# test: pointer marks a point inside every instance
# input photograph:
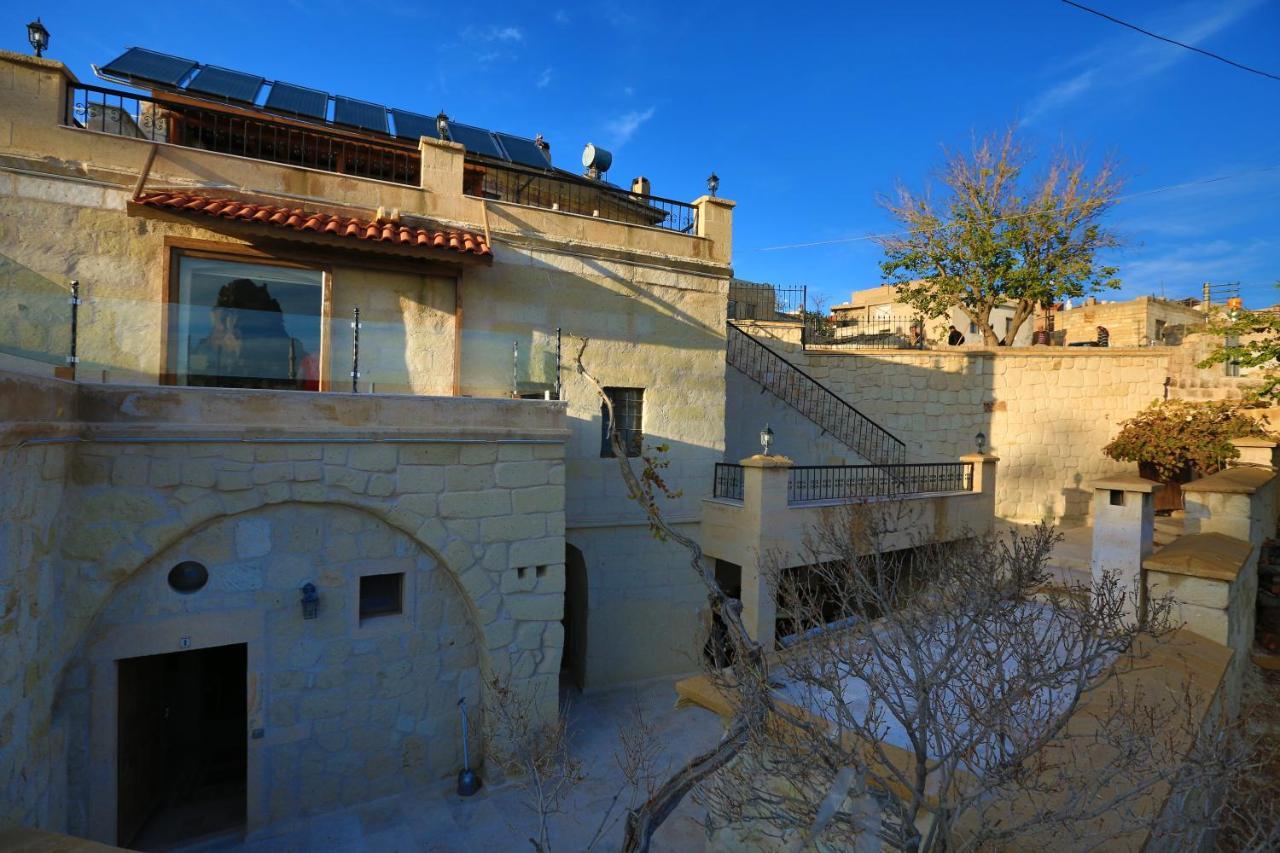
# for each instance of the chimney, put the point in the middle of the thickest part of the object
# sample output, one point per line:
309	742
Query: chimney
640	186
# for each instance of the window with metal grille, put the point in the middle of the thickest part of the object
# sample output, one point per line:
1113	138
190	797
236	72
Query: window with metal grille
628	407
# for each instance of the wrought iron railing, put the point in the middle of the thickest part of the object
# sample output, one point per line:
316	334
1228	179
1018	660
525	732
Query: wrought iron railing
570	194
813	399
728	481
231	132
751	301
808	483
899	331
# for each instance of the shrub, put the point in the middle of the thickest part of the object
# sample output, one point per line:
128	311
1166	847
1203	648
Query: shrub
1174	435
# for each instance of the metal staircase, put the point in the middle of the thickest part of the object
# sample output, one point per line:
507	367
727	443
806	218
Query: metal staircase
813	400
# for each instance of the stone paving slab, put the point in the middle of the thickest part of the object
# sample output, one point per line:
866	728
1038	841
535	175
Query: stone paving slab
436	820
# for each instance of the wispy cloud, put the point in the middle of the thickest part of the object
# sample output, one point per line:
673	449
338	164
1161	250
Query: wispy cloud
544	79
623	127
561	17
508	35
1126	59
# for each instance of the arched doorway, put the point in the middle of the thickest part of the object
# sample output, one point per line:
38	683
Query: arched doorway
573	663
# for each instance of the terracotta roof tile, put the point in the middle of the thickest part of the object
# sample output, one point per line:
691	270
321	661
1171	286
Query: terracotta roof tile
463	242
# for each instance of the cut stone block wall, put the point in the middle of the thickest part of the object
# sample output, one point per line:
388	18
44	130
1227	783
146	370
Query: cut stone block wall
85	565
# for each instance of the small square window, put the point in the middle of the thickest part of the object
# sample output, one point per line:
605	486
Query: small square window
628	406
1117	497
381	595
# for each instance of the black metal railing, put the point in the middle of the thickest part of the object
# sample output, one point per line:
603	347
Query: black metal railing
813	399
230	132
899	331
728	481
807	483
751	301
567	193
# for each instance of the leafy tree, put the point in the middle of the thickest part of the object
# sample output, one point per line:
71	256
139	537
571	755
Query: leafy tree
1250	339
1174	435
999	236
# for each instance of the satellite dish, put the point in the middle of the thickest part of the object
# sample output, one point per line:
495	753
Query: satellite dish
596	158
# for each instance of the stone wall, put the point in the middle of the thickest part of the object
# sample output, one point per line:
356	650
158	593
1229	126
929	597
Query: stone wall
271	490
1135	322
1046	412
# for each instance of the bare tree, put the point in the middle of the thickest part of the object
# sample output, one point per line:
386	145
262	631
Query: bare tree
933	698
535	753
997	236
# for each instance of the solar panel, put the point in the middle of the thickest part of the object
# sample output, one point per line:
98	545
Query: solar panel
523	150
414	125
361	114
476	140
299	100
225	83
138	63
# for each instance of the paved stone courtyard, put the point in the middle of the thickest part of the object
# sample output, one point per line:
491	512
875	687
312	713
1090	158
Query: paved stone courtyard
435	819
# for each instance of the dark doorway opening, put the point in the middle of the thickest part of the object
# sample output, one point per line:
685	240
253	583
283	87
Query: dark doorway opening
181	757
573	662
717	649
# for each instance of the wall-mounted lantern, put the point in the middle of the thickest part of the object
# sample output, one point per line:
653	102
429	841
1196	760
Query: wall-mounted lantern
766	440
38	36
713	184
442	125
981	440
310	601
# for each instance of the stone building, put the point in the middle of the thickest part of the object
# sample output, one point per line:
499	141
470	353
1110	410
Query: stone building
1144	321
291	452
876	312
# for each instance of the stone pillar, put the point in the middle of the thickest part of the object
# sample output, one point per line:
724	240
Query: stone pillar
715	222
1123	532
1255	452
441	165
984	483
764	499
1238	502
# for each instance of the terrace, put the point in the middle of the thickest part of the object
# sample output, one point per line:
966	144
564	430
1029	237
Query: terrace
247	131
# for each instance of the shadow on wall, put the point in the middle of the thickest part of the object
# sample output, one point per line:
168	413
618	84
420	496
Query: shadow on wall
35	314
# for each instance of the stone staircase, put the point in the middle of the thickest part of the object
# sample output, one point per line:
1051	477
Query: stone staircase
813	400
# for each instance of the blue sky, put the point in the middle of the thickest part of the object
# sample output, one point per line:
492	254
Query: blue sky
805	112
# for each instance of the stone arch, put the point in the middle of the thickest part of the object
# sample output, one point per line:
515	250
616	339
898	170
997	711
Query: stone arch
336	699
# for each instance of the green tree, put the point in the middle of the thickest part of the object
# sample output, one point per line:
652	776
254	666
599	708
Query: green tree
1250	339
999	236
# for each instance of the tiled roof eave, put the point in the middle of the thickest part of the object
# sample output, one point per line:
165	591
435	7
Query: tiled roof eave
370	233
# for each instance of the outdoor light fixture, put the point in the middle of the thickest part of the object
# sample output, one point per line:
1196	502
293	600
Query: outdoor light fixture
981	440
38	36
310	601
713	184
766	439
442	125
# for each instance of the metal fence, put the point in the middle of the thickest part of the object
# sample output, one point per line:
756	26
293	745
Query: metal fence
728	481
899	331
584	196
807	483
229	132
751	301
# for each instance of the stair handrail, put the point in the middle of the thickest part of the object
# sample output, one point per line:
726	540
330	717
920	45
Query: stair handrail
896	448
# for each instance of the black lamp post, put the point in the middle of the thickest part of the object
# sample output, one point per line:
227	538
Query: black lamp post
310	601
766	439
713	184
981	440
442	125
38	36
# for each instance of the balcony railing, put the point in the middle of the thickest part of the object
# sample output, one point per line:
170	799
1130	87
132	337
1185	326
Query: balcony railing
812	483
808	483
752	301
66	329
583	196
728	482
244	134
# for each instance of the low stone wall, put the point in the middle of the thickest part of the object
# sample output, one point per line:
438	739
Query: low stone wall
270	490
